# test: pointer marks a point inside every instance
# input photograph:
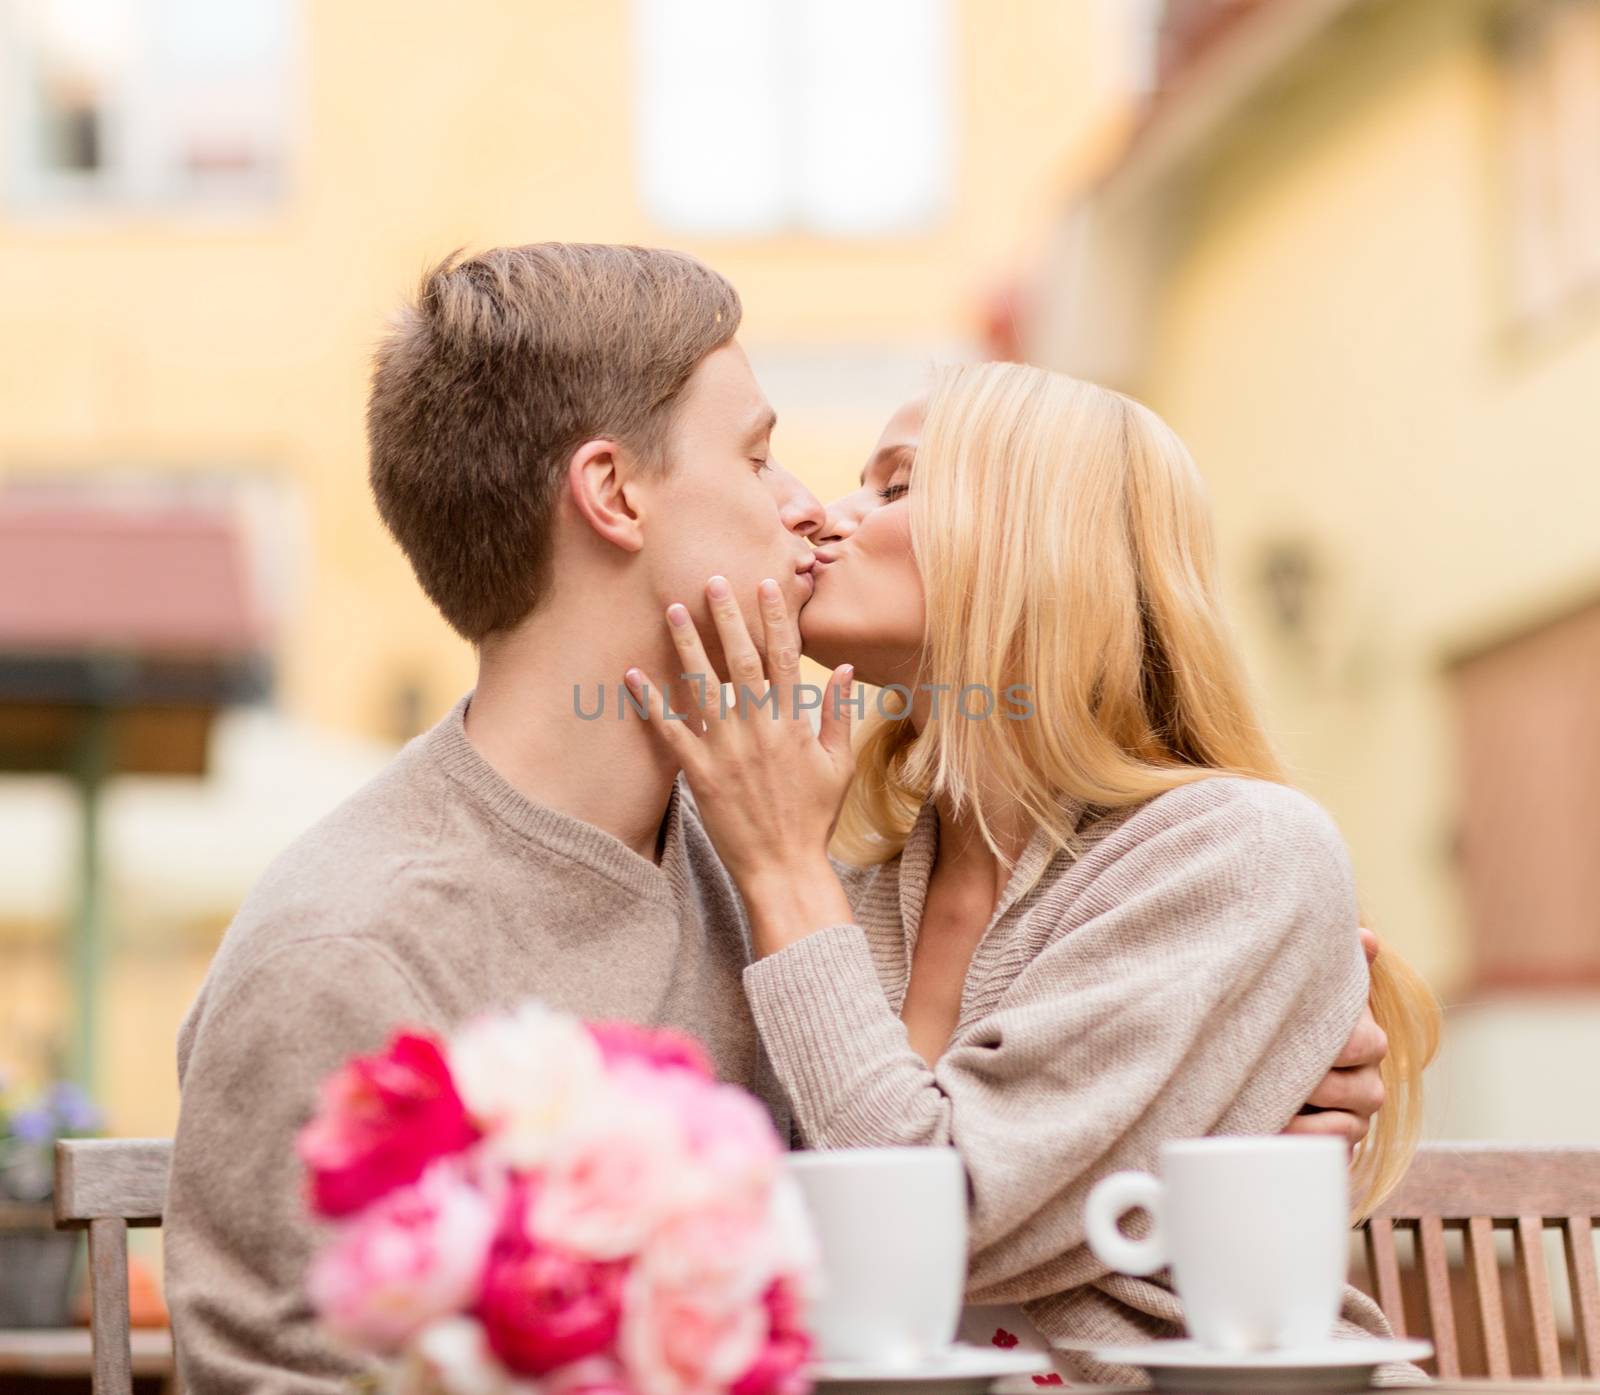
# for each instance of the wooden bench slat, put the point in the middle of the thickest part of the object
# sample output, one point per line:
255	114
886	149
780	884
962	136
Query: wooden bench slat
1436	1288
1485	1267
1536	1280
1384	1266
1578	1235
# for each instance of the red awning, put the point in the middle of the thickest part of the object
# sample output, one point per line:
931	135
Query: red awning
169	582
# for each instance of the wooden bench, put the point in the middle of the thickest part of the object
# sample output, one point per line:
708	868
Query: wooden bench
1477	1189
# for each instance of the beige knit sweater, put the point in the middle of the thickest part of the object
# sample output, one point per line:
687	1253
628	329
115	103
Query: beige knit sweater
434	893
1192	967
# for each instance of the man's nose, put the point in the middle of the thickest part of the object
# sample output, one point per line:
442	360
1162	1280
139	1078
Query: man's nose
798	507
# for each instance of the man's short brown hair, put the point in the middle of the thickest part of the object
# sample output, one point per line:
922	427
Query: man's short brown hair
504	365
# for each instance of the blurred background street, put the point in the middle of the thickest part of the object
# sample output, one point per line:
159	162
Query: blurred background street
1350	249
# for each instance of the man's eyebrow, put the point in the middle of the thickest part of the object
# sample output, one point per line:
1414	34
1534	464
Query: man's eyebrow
764	425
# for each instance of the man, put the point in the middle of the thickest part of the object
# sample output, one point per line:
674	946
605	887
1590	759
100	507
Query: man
563	439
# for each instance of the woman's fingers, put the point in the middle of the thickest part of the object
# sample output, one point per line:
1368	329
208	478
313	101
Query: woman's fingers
684	697
1367	1046
1359	1091
738	649
693	663
835	730
783	648
1330	1123
774	680
1369	945
673	730
783	673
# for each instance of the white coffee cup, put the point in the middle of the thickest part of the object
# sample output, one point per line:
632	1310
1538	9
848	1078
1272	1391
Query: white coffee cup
1256	1231
891	1225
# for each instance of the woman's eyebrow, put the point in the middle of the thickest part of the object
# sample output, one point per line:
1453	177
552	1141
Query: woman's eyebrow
894	456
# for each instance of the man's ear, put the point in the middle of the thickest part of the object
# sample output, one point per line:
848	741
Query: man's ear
600	479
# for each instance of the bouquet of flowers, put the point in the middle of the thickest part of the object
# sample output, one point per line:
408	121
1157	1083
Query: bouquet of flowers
543	1206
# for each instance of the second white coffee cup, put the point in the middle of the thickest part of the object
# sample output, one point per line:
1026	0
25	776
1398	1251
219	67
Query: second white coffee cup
1256	1231
891	1224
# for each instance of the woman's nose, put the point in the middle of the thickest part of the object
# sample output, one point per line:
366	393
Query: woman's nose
838	522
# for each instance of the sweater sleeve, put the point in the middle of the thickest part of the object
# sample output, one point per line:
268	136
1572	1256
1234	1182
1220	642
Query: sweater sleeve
1203	981
238	1234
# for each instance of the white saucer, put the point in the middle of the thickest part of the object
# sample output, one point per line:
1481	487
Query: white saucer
1322	1366
960	1369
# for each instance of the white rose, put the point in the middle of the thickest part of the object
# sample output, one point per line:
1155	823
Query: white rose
525	1077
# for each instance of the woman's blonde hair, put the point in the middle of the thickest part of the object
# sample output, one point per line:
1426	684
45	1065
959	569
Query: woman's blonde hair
1065	543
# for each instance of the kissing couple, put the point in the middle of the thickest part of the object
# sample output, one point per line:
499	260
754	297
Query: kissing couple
1053	942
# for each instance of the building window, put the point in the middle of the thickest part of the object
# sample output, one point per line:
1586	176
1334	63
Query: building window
156	103
1552	57
1529	712
757	117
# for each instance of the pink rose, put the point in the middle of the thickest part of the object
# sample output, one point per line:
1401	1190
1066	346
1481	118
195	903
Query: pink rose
725	1245
780	1369
541	1306
380	1121
687	1339
694	1318
596	1375
731	1132
411	1257
658	1047
728	1132
717	1300
612	1179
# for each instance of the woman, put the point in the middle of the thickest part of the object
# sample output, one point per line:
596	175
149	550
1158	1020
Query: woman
1076	910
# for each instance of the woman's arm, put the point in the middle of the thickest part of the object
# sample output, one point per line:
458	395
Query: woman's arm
1201	981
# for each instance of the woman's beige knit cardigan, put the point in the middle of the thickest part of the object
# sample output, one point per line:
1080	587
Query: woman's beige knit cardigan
1189	967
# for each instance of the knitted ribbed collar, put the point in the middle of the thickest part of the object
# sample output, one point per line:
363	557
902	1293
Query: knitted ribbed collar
448	747
922	850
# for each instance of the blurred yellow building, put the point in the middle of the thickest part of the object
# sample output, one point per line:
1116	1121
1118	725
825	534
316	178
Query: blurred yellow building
1350	248
1352	253
209	211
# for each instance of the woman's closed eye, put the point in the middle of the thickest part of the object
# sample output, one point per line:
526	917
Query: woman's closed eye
892	491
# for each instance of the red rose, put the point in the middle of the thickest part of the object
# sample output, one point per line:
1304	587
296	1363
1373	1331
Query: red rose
380	1121
780	1369
542	1307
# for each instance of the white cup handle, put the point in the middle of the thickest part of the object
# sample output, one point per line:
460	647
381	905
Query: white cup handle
1110	1200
